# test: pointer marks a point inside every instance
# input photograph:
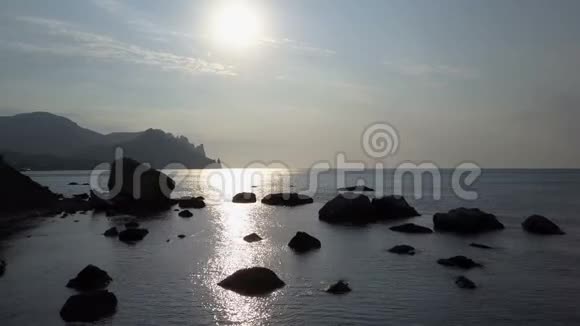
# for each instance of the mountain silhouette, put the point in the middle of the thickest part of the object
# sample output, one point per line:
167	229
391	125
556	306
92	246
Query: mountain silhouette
45	141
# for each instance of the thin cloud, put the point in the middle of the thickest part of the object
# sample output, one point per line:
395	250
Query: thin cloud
302	47
85	44
423	70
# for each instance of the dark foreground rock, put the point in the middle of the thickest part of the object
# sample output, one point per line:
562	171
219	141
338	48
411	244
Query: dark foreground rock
403	250
89	307
2	267
112	232
132	235
136	185
252	281
303	242
244	197
83	196
252	238
541	225
465	283
185	213
411	228
466	221
90	278
287	199
480	246
393	207
347	208
459	261
340	287
356	188
191	202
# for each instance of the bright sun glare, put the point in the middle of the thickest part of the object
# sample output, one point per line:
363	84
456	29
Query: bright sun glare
237	25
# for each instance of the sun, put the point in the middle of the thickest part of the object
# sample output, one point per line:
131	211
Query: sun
237	25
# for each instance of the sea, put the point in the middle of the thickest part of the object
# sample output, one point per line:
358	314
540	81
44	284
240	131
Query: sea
163	280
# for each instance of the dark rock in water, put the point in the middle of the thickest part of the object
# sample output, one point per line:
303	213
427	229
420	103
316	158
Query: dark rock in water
348	208
139	186
191	202
479	245
252	238
244	197
132	225
340	287
466	221
90	278
76	221
403	250
132	235
459	261
287	199
112	232
541	225
98	202
83	196
20	193
252	281
86	184
356	188
465	283
185	213
89	307
411	228
393	207
73	184
176	210
181	236
303	242
2	267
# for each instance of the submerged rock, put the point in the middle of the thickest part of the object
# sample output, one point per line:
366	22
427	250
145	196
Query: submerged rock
411	228
393	207
466	220
252	281
465	283
191	202
132	235
303	242
287	199
244	197
89	307
347	208
403	250
356	188
252	238
112	232
90	278
541	225
459	261
340	287
479	245
185	213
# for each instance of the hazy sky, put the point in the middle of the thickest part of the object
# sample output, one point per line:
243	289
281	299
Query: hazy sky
494	82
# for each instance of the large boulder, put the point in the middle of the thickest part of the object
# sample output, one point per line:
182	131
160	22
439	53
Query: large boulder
191	202
132	235
90	278
459	261
244	197
466	221
392	207
287	199
541	225
411	228
132	183
347	208
89	307
252	281
303	242
403	250
20	193
340	287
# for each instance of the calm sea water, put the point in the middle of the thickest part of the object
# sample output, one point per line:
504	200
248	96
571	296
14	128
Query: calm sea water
528	280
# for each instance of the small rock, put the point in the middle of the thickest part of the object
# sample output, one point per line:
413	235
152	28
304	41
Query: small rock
90	278
411	228
76	221
89	307
393	207
465	283
541	225
252	281
466	221
191	202
244	197
403	250
181	236
339	287
252	238
73	184
459	261
356	188
112	232
287	199
2	267
479	245
132	235
185	213
303	242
